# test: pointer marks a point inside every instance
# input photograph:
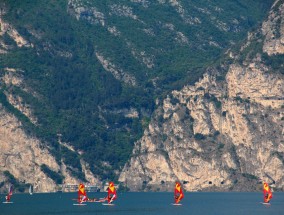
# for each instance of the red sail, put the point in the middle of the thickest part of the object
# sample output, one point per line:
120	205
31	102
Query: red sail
178	193
267	193
111	194
10	193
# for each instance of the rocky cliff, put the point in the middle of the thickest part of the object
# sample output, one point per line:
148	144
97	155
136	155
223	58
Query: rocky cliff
25	159
219	134
22	158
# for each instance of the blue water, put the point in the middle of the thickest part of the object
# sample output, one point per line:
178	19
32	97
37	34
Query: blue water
145	203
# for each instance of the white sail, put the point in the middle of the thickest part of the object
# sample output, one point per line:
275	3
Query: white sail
30	190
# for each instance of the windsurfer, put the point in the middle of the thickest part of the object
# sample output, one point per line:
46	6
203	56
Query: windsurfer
82	196
111	195
178	194
267	193
10	193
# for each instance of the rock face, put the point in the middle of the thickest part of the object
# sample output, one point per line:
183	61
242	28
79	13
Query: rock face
22	156
218	135
273	30
117	73
206	135
6	28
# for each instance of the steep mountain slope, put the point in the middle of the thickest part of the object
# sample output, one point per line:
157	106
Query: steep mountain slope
81	77
220	134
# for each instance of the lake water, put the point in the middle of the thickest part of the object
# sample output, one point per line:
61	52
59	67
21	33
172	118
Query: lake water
197	203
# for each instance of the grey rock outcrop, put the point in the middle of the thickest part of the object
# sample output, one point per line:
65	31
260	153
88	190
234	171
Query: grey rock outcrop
217	135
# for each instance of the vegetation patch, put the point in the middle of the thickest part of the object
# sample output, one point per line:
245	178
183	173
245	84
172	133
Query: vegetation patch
17	185
55	176
199	136
249	176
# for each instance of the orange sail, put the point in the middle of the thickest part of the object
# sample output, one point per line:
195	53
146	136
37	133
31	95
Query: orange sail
111	194
267	193
82	196
178	193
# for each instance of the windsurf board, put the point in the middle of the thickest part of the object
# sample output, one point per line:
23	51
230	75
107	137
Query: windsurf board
109	204
176	204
